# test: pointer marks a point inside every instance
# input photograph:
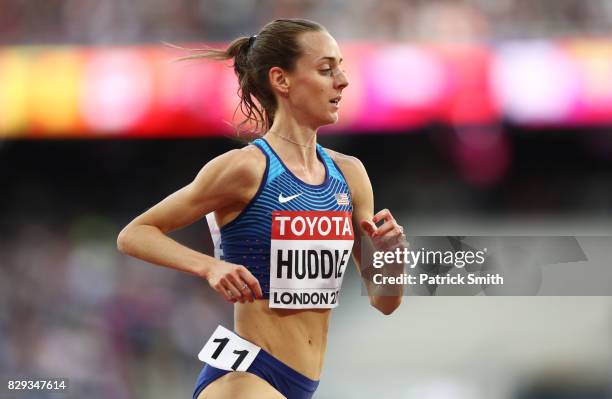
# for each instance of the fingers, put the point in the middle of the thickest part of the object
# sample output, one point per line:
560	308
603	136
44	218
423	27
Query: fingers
389	227
246	283
225	293
251	282
385	215
390	242
232	291
236	284
369	227
227	286
390	234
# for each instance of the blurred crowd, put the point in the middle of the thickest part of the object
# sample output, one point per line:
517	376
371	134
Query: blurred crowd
138	21
73	307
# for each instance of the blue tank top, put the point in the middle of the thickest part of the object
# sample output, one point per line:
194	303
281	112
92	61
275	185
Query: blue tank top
294	237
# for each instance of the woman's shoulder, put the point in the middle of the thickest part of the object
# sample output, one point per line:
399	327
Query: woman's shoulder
348	164
241	166
245	159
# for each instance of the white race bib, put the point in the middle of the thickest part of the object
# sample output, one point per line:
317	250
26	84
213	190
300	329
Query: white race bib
309	251
227	351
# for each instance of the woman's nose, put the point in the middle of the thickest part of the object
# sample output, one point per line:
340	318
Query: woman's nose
341	80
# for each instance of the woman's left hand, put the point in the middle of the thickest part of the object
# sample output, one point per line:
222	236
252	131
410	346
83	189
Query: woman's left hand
387	236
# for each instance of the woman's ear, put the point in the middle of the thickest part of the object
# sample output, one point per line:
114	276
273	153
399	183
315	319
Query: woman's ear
279	80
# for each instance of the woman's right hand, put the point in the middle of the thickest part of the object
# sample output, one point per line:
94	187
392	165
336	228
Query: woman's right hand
234	283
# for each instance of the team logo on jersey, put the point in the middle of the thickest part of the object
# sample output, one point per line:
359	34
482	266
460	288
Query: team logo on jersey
342	199
309	251
282	199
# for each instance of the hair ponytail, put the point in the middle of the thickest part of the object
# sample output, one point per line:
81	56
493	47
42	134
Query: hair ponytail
276	45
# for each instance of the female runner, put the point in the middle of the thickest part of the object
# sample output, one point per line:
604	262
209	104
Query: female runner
286	208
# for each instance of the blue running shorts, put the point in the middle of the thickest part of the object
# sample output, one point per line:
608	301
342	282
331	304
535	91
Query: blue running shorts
290	383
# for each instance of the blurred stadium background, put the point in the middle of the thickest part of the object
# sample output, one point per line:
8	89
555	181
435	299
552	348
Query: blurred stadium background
472	117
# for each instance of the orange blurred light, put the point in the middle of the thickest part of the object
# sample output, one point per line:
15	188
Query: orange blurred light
14	71
56	75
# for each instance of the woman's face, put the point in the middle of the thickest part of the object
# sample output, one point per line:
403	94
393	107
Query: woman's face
317	82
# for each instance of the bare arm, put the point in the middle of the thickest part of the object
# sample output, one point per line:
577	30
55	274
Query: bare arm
365	221
229	180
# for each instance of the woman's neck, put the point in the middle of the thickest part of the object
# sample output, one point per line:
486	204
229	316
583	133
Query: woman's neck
295	142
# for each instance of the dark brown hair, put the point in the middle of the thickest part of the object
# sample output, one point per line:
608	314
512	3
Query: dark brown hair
276	45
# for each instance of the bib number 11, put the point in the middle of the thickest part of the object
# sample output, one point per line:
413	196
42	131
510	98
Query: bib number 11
227	351
241	354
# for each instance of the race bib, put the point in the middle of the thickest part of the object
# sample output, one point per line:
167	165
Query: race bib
227	351
309	251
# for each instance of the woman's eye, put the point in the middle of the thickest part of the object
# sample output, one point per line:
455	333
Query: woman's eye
327	71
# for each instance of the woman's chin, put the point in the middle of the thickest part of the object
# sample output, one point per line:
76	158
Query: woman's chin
332	119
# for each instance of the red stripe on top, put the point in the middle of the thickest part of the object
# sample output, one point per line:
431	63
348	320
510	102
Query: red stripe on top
312	225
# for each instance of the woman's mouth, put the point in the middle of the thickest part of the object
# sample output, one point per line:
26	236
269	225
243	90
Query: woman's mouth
335	102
